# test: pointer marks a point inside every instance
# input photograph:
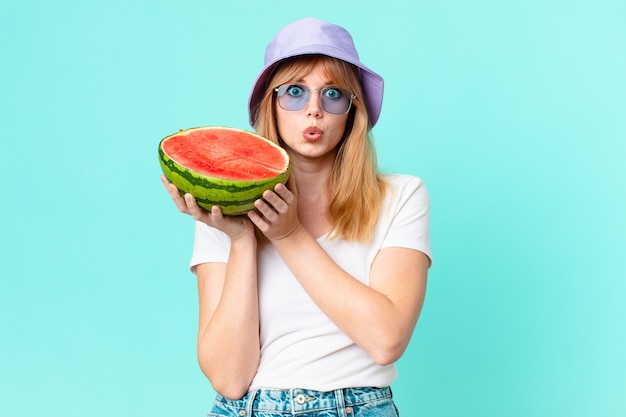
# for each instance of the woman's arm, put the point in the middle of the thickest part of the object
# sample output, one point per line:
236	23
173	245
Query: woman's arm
379	317
228	332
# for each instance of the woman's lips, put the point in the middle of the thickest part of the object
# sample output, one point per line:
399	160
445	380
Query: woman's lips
312	134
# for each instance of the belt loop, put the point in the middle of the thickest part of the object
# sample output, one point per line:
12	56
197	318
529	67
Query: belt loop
341	404
250	402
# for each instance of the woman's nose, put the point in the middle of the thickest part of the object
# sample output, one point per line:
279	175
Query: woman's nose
314	104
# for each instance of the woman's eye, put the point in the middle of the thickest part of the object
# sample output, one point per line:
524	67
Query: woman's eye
333	93
295	91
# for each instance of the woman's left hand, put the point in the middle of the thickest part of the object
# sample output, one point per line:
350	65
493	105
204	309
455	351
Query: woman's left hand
277	212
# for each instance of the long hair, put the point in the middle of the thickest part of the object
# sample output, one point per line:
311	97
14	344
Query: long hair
356	188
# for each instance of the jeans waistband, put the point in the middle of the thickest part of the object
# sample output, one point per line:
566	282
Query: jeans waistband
302	400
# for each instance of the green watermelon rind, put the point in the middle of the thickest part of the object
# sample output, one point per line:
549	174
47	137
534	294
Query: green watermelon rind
233	197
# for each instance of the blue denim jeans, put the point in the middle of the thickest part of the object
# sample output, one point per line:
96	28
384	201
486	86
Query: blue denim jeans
347	402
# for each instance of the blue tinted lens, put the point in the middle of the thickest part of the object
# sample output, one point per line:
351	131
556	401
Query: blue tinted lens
292	96
335	101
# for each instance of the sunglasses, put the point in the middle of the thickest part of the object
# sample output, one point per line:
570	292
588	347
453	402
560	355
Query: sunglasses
294	97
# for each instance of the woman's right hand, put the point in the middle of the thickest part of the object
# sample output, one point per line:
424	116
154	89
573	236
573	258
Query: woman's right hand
234	226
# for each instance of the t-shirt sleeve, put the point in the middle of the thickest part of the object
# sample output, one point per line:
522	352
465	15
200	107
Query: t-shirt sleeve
409	213
210	245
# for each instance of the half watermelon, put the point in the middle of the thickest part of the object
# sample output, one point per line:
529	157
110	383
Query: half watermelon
223	166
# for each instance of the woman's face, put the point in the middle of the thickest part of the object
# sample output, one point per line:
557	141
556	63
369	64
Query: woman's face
311	132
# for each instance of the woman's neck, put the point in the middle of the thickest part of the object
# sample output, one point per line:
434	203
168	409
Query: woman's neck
312	176
311	179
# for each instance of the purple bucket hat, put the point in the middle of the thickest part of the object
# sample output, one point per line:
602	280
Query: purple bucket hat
313	36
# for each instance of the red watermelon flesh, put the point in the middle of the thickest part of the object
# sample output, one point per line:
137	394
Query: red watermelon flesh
225	153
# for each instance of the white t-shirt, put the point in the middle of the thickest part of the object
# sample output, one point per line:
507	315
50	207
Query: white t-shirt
300	346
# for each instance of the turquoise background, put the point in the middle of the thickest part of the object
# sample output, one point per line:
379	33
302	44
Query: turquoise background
513	112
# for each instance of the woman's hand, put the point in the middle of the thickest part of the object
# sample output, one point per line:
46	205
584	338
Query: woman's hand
277	212
233	226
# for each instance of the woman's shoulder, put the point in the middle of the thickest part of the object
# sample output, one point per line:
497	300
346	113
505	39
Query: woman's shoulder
401	188
399	181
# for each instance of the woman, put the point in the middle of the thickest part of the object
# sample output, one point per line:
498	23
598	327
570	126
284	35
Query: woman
307	301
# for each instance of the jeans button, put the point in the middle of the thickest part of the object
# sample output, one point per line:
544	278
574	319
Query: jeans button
300	399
